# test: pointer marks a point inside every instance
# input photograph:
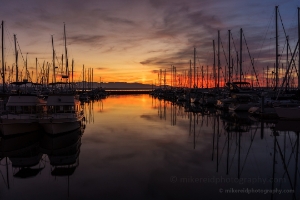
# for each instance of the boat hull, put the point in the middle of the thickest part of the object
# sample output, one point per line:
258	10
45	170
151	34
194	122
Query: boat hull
11	127
58	126
288	113
243	107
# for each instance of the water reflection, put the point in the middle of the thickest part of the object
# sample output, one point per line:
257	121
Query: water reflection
245	150
22	153
138	147
27	155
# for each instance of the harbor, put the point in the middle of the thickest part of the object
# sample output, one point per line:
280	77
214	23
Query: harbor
180	100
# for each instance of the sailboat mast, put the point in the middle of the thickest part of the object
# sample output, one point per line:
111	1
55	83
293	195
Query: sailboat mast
171	77
218	60
16	53
72	70
229	57
276	36
66	52
89	78
3	69
53	60
194	67
164	78
83	78
190	74
36	73
26	75
214	66
287	62
267	77
207	76
175	76
202	76
62	66
298	48
241	53
48	72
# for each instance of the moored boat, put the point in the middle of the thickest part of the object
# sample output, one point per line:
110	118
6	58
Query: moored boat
63	114
21	115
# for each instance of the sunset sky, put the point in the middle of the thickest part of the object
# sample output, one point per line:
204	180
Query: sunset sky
131	40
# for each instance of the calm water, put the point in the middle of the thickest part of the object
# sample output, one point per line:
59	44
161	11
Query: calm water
136	147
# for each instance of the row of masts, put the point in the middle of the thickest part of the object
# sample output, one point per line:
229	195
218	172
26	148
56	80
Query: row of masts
43	72
190	78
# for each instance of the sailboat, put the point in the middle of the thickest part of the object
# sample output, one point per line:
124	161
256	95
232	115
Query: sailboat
291	113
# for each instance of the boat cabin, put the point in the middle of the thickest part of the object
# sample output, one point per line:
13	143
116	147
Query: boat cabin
24	105
240	87
62	104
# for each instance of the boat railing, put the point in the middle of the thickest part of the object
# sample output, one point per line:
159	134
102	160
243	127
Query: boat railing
61	115
19	116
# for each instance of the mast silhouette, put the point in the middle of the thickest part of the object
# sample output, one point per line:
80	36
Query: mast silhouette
298	48
241	53
53	60
16	54
3	68
214	65
229	57
194	67
219	61
276	36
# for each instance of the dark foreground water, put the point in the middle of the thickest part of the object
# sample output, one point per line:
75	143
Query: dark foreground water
136	147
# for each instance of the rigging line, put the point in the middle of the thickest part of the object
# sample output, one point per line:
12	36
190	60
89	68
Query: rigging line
3	178
252	139
225	60
291	143
285	167
233	43
267	145
224	52
286	37
10	49
223	148
271	19
58	60
295	64
236	51
233	155
285	43
252	60
20	51
257	165
289	160
287	71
